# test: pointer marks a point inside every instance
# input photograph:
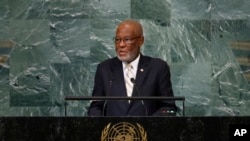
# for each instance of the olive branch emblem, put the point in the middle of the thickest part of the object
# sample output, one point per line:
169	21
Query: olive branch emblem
105	132
143	132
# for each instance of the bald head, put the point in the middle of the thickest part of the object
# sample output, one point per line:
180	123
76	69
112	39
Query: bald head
137	27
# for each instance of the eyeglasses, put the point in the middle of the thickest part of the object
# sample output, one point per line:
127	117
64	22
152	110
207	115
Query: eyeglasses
126	40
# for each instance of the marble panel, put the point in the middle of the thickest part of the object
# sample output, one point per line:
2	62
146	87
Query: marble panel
230	9
193	81
156	40
4	16
190	41
69	9
228	81
29	9
102	33
30	87
109	9
191	9
4	8
71	38
29	79
4	90
33	32
70	79
158	11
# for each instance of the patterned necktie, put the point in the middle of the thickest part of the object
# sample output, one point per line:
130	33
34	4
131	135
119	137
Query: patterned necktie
129	75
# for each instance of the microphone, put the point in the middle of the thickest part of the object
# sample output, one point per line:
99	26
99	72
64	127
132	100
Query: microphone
138	92
108	93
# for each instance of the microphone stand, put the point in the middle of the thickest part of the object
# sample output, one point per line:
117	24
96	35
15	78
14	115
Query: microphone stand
138	92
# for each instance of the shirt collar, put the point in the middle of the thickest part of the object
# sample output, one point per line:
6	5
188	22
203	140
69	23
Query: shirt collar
133	63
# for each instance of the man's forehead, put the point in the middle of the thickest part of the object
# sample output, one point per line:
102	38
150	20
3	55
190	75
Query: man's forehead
130	23
126	29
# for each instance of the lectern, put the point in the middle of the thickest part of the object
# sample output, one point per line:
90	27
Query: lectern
107	98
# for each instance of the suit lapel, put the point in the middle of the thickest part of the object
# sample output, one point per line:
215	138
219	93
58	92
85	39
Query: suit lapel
141	72
117	71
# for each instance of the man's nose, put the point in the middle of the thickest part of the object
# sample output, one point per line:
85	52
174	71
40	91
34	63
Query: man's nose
122	43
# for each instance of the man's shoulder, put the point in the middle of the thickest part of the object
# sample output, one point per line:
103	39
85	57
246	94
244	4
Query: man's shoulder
154	60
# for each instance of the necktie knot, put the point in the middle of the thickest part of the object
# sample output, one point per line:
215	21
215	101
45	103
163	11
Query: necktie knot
129	66
129	71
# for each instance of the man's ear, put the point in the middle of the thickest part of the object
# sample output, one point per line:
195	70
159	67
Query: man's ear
141	41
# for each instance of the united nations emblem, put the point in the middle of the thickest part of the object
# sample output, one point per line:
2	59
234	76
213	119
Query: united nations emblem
124	131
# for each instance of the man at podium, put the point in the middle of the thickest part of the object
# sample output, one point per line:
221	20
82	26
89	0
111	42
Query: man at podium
132	74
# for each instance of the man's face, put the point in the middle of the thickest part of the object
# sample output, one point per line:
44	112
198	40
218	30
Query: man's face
128	42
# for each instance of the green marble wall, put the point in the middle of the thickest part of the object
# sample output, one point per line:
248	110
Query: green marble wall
50	49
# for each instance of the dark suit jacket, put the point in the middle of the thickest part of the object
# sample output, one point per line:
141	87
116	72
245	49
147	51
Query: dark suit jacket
152	79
